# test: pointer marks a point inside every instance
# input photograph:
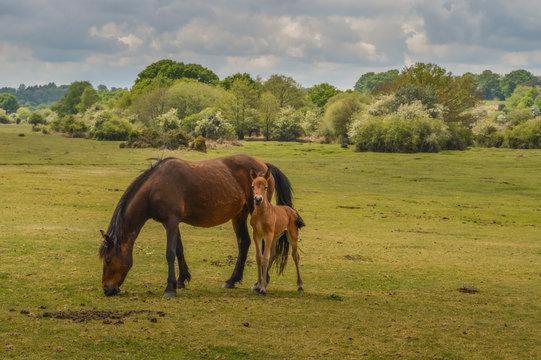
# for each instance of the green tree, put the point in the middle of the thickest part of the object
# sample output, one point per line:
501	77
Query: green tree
228	81
268	110
517	77
372	82
286	90
8	102
522	97
455	93
176	70
488	84
340	110
190	97
319	94
88	98
239	106
69	102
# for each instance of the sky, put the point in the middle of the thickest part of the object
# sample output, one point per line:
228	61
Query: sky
109	42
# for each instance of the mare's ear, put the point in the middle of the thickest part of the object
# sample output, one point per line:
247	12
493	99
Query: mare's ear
253	174
267	174
104	235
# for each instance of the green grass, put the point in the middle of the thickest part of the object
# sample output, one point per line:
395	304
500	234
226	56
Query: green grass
389	240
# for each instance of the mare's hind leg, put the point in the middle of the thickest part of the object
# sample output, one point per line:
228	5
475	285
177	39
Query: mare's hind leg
183	270
173	238
240	226
293	239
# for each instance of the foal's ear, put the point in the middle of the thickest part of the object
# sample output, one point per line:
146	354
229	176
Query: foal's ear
253	174
267	174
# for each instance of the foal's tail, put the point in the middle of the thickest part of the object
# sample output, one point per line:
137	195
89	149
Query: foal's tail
284	196
299	222
282	247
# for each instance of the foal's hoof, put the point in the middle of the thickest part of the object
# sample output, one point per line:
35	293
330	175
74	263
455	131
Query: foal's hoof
262	292
256	287
227	285
169	295
300	290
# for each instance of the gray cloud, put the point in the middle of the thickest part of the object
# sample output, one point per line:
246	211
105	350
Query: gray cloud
335	41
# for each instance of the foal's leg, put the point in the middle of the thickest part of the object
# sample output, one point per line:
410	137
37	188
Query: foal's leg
265	261
293	239
172	238
257	242
183	270
243	241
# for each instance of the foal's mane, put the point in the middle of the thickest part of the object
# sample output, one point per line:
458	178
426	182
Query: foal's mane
115	232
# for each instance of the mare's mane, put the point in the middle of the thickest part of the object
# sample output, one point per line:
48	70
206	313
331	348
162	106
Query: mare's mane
115	232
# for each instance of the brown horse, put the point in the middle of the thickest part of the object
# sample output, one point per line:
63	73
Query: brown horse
203	193
270	223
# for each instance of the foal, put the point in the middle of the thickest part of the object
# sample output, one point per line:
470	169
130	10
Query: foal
269	222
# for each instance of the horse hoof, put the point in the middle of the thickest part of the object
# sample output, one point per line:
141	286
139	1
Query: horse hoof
181	284
262	292
227	285
169	295
300	290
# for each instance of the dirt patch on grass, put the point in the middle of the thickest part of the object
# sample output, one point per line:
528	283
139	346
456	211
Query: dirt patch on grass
357	258
348	207
107	316
468	289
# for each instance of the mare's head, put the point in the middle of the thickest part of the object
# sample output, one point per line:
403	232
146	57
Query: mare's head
260	185
117	261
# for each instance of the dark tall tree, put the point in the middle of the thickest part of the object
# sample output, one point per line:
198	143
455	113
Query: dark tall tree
488	84
228	81
8	102
69	103
517	77
372	82
173	70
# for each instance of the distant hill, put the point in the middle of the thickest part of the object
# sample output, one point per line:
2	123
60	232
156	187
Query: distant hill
37	95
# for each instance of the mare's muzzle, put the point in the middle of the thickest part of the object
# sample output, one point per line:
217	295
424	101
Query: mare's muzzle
111	290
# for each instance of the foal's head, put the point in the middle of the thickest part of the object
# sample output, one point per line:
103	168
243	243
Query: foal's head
260	185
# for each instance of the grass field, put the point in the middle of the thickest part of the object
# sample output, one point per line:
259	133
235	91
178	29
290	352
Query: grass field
389	240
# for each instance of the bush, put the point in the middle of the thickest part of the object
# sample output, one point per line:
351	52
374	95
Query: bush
114	129
288	125
525	136
168	120
4	117
489	133
153	138
213	126
340	110
460	137
396	134
199	144
71	125
36	119
519	115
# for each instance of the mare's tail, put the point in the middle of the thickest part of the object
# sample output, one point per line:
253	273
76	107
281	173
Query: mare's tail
284	196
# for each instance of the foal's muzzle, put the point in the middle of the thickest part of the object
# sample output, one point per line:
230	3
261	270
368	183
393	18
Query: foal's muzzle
258	199
111	290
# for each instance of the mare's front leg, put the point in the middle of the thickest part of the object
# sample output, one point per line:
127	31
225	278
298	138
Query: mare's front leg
183	270
173	237
240	226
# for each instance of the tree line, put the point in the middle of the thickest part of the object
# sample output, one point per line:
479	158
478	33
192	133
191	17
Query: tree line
424	107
